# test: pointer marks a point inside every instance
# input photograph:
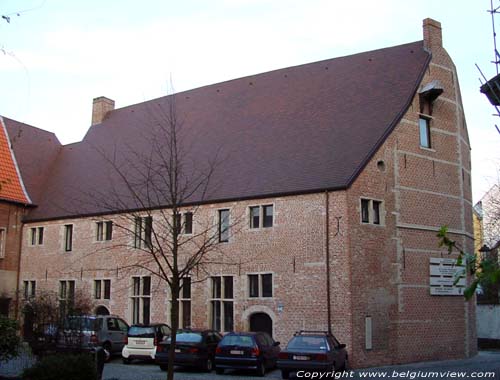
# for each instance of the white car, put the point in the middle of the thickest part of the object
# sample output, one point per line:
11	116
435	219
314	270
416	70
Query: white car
142	341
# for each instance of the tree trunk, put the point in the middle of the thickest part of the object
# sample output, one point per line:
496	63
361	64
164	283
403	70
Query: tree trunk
174	318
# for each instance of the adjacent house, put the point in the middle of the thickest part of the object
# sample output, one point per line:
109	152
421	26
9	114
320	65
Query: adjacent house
358	159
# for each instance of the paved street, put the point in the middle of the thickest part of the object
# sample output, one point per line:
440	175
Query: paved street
486	365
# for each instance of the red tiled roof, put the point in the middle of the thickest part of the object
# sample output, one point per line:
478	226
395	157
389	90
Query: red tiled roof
296	130
11	185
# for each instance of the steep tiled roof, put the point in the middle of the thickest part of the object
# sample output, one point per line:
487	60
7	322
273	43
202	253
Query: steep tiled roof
35	151
11	184
296	130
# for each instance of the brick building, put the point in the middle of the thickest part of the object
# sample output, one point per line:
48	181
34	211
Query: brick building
359	158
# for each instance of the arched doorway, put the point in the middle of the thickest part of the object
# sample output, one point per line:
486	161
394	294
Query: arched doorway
102	310
261	322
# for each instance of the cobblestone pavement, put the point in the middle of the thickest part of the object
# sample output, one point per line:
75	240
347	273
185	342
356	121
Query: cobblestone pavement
486	365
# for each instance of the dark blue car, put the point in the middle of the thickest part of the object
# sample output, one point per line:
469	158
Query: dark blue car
255	351
193	348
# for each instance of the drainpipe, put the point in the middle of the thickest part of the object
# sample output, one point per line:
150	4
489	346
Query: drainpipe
18	275
327	248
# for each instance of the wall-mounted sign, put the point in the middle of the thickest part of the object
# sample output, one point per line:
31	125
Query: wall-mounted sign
443	275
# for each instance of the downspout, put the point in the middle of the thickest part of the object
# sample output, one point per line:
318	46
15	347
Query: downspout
18	274
327	248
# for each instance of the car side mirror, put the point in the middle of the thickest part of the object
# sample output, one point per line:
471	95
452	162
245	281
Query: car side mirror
276	343
341	346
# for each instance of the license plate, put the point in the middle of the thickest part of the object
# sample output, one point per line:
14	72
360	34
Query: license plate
236	352
177	350
140	342
299	357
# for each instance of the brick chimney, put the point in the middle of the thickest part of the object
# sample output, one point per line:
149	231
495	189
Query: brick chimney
433	37
100	108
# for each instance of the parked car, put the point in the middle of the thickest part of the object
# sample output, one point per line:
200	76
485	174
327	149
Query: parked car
90	331
142	340
312	351
246	350
193	348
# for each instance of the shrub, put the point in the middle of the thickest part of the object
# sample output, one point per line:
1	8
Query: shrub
9	340
63	367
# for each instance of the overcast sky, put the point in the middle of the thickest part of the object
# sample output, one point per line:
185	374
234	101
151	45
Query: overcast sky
58	55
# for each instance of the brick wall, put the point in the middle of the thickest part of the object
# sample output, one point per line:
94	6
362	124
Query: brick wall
422	189
10	221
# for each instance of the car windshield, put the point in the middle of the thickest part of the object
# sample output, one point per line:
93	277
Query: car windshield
313	343
187	337
141	332
237	340
81	324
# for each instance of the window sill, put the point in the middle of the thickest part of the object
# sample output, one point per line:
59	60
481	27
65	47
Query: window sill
372	224
427	149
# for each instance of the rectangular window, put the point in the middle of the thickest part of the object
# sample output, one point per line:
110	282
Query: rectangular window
425	132
2	242
365	210
178	223
188	223
185	303
143	230
223	226
29	289
376	212
267	213
221	304
255	217
36	236
141	300
253	285
260	285
97	289
66	295
104	231
267	217
102	289
371	211
68	237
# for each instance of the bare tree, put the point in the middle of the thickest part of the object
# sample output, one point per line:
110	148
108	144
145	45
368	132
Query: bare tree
157	193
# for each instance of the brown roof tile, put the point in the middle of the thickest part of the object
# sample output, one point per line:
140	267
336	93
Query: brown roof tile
300	129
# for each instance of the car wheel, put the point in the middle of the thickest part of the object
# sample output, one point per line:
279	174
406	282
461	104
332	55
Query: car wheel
164	367
126	360
285	374
219	371
208	366
261	370
107	351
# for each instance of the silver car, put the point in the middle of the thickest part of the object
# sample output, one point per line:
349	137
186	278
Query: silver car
89	331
